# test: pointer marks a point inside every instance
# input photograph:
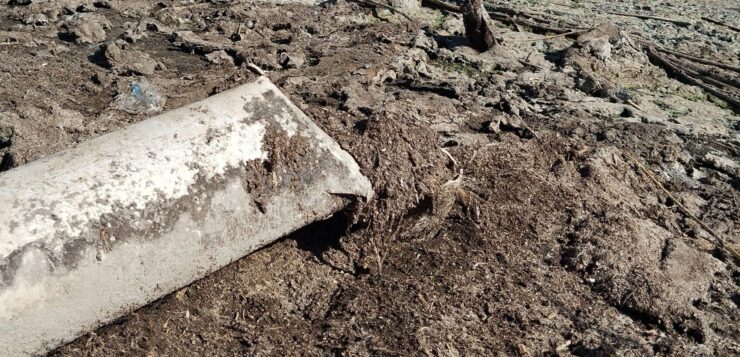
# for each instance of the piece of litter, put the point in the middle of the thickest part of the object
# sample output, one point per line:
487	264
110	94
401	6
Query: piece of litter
141	97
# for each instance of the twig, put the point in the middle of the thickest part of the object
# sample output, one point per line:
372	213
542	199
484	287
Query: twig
732	150
452	159
524	124
340	28
105	239
376	228
377	4
254	68
717	22
701	60
632	103
566	34
648	17
652	177
513	22
378	257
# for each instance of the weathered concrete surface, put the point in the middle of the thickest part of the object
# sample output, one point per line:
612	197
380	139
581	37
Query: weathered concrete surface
93	232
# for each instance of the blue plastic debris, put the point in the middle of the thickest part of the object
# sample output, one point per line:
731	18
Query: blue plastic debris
142	97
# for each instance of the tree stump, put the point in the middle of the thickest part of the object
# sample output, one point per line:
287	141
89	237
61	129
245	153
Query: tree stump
478	26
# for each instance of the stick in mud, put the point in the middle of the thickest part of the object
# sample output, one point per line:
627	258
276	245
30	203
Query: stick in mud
720	242
720	23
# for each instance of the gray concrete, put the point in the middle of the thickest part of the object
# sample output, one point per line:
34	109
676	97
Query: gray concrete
93	232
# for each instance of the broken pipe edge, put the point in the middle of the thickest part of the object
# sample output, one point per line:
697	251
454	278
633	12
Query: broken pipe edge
93	232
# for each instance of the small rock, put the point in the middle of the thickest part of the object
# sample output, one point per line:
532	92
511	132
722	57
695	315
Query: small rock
704	245
385	76
503	123
133	34
68	119
220	57
589	84
103	4
523	350
6	136
601	48
291	60
609	32
493	125
188	40
88	28
180	294
128	62
600	40
36	19
720	162
282	37
68	10
409	7
425	42
86	8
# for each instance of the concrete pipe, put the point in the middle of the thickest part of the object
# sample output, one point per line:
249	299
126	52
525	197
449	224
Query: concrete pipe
93	232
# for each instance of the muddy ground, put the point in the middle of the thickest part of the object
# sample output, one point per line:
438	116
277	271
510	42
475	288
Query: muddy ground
515	210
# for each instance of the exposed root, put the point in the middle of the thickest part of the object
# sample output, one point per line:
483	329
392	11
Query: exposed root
712	86
726	66
441	5
657	18
537	16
